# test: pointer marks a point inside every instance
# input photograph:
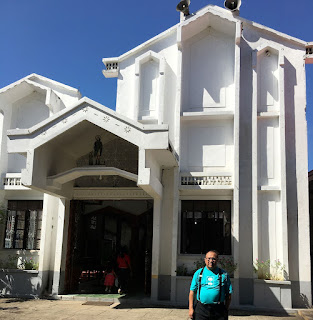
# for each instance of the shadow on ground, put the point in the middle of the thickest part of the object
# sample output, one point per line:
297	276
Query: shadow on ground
237	313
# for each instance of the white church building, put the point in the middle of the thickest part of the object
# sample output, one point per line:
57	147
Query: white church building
207	149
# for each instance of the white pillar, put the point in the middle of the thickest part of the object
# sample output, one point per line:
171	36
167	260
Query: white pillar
155	248
283	173
255	215
136	96
59	225
64	246
235	207
45	241
175	227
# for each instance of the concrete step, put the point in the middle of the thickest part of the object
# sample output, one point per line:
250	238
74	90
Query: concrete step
306	314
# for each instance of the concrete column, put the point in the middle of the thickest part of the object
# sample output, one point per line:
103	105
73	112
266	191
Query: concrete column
45	241
156	248
245	257
175	232
161	98
283	173
304	295
136	97
59	225
64	246
235	209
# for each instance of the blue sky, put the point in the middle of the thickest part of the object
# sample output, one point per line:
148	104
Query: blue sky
65	40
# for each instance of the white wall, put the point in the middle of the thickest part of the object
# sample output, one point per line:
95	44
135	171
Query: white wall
270	227
68	97
29	111
207	145
126	82
269	158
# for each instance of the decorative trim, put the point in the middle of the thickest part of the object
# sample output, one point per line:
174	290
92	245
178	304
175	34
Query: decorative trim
273	282
111	67
19	271
109	193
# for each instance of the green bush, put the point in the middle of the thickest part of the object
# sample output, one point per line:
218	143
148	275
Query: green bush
9	263
182	270
29	264
266	271
228	265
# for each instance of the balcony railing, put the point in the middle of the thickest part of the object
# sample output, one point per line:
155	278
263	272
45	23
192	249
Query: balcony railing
206	180
13	181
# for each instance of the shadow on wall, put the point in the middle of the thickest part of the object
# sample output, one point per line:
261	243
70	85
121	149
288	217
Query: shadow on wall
20	283
292	196
245	257
252	290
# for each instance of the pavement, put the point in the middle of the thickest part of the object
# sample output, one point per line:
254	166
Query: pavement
45	309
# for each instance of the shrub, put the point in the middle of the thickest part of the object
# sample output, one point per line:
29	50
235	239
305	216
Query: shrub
182	270
29	264
228	264
266	271
9	263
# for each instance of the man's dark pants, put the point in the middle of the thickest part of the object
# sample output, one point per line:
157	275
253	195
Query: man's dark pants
210	312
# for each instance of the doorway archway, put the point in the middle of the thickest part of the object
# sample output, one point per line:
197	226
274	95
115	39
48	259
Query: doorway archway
97	231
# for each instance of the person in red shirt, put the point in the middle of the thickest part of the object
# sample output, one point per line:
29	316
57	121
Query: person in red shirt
109	278
124	270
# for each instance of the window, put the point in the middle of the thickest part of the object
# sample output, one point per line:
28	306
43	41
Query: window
206	225
23	227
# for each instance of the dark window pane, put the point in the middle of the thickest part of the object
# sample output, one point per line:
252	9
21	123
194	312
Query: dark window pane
205	225
23	227
199	205
187	205
9	232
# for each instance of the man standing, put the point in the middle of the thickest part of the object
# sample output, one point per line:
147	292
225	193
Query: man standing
213	291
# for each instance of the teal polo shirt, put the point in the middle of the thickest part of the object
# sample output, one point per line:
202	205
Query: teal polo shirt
210	287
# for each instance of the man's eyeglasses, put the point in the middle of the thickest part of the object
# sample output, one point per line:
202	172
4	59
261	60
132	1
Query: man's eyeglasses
212	259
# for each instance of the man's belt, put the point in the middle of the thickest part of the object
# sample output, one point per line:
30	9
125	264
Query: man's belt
212	304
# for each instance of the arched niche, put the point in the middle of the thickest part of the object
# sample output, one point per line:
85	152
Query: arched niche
149	97
269	58
208	71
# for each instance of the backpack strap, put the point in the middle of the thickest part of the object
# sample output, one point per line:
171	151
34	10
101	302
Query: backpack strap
199	284
220	284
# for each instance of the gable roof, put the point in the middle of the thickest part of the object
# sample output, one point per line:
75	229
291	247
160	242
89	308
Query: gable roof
145	136
214	10
37	82
33	77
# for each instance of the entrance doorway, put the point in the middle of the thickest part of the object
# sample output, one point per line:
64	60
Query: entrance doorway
98	231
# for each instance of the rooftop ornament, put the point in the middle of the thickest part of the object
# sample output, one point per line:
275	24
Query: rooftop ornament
183	7
232	5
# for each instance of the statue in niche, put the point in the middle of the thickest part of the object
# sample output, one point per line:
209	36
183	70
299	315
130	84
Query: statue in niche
97	149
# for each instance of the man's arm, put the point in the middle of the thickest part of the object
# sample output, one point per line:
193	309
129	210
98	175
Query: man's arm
191	293
228	301
229	291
